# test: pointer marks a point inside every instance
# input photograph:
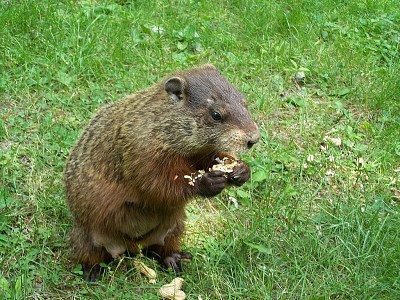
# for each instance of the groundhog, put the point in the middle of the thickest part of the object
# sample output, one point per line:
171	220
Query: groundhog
126	178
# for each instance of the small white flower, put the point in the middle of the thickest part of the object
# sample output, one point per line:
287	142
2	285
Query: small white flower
157	29
330	173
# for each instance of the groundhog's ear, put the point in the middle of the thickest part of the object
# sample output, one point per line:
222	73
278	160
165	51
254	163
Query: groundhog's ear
175	87
209	66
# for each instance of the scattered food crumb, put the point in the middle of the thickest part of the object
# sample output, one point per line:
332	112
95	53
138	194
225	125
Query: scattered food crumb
234	202
173	290
145	270
336	141
360	162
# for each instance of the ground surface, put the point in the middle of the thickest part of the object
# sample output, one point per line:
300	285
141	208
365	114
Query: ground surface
320	218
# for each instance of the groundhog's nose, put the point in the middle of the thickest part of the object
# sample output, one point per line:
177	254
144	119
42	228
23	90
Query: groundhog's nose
253	138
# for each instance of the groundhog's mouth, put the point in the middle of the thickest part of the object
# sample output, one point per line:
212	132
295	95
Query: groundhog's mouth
234	151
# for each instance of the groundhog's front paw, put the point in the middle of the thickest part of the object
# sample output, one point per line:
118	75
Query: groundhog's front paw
212	183
174	261
240	174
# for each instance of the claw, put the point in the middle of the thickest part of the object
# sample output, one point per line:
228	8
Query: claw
174	261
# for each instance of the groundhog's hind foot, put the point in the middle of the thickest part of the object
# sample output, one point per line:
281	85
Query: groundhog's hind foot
91	273
174	261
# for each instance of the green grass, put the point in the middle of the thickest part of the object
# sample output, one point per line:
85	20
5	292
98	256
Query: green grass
319	220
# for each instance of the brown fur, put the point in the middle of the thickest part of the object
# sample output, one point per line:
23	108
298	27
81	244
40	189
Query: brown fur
124	179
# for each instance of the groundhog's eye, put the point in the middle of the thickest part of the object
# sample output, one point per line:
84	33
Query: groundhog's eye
216	116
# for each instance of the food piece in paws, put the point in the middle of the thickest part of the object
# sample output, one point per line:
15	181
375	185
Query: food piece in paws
225	165
194	176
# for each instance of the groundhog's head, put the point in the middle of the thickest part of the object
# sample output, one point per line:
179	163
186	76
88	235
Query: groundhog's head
222	121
